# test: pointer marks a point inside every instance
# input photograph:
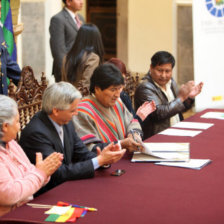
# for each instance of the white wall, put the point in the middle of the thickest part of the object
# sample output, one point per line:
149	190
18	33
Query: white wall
150	28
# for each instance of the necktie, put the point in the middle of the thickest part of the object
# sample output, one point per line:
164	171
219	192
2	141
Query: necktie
78	22
61	135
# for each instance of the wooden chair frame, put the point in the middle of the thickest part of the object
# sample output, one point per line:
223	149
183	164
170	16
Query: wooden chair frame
28	94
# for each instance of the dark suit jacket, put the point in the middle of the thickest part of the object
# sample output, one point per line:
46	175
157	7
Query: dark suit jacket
9	68
40	135
63	31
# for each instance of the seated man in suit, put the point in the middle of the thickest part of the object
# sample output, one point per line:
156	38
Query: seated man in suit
102	116
159	86
51	130
63	31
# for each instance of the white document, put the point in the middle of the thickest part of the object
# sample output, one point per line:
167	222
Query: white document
164	147
59	210
196	164
154	152
192	125
213	115
179	132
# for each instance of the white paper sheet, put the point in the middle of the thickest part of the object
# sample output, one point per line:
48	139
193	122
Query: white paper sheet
196	164
154	147
213	115
192	125
179	132
154	152
59	210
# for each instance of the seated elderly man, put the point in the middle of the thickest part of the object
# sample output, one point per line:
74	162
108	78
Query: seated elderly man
51	130
102	117
159	86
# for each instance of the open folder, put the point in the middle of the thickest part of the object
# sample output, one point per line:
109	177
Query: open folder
163	152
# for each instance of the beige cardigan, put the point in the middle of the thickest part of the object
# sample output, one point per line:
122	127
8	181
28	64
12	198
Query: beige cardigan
89	63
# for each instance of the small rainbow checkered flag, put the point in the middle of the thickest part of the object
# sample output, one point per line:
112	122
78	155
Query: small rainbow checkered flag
6	19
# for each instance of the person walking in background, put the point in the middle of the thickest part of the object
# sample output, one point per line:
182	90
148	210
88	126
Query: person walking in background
63	30
86	54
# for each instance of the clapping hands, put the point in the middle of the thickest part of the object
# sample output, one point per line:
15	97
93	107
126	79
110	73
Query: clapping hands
145	109
189	89
50	164
110	154
196	90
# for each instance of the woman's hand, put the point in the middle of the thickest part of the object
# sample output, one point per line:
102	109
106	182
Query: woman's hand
50	164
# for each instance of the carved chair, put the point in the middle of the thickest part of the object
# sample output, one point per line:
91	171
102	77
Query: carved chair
83	90
28	94
131	82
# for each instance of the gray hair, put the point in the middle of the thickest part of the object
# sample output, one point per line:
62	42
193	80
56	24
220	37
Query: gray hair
8	110
59	95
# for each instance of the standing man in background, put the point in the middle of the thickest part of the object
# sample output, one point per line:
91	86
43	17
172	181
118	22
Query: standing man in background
63	30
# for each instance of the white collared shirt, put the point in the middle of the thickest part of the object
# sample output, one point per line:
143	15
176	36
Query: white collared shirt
72	14
59	128
169	94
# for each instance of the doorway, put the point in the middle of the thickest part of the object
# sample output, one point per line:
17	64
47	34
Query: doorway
102	13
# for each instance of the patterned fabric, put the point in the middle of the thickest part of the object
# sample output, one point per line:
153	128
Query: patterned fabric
95	123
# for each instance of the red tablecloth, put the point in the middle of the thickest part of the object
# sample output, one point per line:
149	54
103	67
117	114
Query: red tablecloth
148	193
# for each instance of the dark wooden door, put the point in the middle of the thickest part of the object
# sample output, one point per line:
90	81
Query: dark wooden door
103	14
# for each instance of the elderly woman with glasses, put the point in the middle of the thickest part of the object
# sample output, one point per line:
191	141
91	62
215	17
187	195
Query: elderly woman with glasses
19	179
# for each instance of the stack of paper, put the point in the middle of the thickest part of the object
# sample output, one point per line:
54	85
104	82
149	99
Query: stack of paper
196	164
169	154
155	152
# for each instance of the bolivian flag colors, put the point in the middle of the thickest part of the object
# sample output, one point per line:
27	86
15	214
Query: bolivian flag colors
64	212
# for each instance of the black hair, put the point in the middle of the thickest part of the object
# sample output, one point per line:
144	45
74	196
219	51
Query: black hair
104	76
88	40
161	58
